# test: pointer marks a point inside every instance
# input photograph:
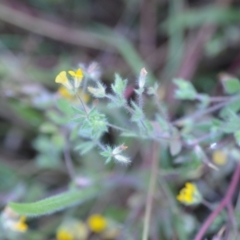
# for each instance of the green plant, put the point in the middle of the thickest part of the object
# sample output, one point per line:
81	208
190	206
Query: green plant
90	121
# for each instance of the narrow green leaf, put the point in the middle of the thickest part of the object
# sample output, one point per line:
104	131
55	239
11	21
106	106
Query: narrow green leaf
55	203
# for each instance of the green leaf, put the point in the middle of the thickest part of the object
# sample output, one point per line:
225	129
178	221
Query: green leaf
85	147
237	137
233	106
204	101
137	114
116	102
79	111
119	85
185	91
231	85
55	203
232	124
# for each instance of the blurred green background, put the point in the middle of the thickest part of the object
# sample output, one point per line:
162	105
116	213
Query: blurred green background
192	39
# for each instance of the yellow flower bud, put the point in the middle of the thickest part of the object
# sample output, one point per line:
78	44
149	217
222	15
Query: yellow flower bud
97	223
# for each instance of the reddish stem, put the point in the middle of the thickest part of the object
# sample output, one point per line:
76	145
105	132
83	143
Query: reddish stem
222	204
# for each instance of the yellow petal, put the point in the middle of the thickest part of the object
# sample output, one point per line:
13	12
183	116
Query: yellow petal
65	93
63	234
21	227
79	73
61	77
97	223
72	73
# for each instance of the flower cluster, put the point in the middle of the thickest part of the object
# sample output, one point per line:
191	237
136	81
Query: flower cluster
96	224
71	230
71	80
189	195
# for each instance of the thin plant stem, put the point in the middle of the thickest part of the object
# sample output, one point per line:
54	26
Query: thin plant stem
83	105
140	100
214	99
226	200
151	190
206	111
117	127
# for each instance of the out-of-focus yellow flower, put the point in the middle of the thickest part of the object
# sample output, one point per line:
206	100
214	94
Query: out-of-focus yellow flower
63	234
62	78
21	225
13	221
71	82
72	229
77	76
189	194
97	223
219	157
68	94
65	93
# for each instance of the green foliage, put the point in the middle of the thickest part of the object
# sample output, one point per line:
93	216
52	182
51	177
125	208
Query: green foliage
231	85
94	125
52	139
118	100
55	203
107	153
232	123
185	90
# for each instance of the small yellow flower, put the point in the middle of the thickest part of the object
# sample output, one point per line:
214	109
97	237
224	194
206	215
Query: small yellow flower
62	78
63	234
21	225
73	81
97	223
189	194
219	157
77	76
13	221
72	229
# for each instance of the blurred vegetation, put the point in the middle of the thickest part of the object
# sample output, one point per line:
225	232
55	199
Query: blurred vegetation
179	175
